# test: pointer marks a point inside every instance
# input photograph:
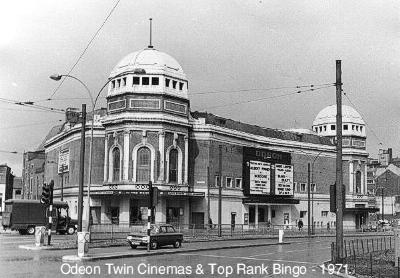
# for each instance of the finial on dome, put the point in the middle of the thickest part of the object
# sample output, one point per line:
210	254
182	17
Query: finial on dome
150	45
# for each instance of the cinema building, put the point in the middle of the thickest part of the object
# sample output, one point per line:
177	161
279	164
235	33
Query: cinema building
149	133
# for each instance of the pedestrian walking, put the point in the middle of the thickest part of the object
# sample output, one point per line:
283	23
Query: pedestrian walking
300	225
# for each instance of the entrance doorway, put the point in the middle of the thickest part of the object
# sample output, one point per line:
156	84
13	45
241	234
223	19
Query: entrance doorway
198	220
115	215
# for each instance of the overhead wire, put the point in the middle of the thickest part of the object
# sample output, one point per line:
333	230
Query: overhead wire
31	104
84	51
12	152
259	89
366	124
27	125
271	97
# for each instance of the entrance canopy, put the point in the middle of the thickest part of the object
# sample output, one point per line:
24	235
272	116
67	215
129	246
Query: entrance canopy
270	200
360	210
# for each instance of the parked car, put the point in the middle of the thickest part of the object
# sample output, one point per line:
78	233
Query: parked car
385	225
160	235
372	226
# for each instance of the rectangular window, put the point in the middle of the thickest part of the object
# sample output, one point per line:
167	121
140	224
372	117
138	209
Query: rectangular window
238	183
345	127
145	81
118	83
124	81
302	187
180	86
216	184
136	80
333	127
313	187
229	182
324	213
303	213
167	80
155	81
174	84
273	213
113	84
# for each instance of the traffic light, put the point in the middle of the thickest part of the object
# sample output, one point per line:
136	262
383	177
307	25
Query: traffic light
47	193
332	193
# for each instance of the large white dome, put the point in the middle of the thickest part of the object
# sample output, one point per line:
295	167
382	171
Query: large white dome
328	116
151	61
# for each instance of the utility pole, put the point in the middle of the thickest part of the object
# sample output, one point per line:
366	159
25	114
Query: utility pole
208	198
309	200
383	198
220	192
339	167
81	169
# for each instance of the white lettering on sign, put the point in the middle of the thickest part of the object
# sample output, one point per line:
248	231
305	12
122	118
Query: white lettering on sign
283	179
260	177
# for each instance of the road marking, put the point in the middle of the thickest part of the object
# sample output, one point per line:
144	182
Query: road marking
248	258
290	251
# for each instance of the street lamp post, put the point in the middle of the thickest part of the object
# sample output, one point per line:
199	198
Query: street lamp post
312	192
310	201
58	77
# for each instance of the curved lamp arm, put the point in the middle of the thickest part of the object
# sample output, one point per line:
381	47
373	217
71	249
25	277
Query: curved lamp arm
57	77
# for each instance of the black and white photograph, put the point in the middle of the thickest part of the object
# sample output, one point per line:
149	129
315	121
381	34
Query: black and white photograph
184	138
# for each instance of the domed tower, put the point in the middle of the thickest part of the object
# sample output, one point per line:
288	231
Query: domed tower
354	149
147	122
353	126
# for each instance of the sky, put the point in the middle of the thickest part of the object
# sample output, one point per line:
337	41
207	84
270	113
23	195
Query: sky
247	48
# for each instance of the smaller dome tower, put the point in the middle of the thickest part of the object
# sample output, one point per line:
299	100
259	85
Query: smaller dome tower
353	126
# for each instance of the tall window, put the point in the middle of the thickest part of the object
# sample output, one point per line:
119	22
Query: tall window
173	165
116	164
358	182
143	168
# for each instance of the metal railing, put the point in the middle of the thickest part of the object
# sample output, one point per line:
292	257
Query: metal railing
373	257
191	232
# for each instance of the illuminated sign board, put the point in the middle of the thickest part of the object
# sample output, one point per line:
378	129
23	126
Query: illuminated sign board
260	177
283	179
267	172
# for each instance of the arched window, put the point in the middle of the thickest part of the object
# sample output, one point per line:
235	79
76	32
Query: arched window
116	164
173	166
143	169
358	182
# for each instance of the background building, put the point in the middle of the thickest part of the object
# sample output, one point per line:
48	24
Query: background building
6	185
17	188
33	174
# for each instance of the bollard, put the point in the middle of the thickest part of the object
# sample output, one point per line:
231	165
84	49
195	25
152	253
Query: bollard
280	236
396	246
83	243
39	235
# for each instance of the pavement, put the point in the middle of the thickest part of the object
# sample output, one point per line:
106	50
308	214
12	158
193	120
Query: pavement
103	253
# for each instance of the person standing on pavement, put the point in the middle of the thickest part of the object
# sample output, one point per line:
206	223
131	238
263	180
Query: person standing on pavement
300	225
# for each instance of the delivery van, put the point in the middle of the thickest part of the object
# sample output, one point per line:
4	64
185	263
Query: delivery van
24	215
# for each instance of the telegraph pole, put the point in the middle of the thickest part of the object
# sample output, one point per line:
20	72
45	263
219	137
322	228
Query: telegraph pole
82	169
339	167
220	192
309	200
